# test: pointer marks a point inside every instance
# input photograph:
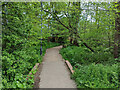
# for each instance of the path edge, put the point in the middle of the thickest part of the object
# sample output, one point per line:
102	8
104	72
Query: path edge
69	66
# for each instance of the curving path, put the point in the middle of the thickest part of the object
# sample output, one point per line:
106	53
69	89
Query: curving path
55	73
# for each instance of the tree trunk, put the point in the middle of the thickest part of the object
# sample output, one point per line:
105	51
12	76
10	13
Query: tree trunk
117	33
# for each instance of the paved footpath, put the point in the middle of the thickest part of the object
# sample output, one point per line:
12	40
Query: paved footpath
55	73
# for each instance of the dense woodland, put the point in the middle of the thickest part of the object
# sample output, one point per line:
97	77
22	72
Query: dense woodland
88	31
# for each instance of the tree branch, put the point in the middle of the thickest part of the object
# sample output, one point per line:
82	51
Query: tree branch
86	44
57	18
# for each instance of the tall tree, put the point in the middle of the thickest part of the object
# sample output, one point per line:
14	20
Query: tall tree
117	31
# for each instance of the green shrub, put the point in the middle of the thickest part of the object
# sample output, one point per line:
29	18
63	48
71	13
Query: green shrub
83	55
96	76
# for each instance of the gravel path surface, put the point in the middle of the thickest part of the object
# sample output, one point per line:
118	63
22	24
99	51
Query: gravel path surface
55	73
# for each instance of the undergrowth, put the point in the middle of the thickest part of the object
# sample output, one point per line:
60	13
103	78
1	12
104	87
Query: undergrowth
92	69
